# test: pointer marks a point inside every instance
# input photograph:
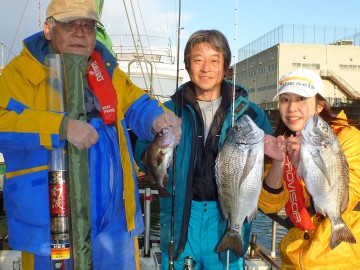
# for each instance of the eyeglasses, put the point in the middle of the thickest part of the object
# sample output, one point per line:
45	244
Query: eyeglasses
89	26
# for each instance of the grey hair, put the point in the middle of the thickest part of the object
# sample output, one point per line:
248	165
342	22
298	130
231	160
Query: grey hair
215	38
51	22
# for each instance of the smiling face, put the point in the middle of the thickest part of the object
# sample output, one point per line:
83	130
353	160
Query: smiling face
206	71
295	110
76	41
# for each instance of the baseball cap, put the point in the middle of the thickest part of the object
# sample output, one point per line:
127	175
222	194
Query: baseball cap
302	82
69	10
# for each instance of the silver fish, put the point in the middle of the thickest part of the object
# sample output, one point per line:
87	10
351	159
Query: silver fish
158	158
239	169
324	168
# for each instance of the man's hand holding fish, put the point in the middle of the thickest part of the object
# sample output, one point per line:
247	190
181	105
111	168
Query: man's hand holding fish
168	119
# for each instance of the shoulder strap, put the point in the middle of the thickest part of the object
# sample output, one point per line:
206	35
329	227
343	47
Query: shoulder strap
242	105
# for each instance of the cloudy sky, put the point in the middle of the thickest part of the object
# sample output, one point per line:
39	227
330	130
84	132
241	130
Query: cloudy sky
251	19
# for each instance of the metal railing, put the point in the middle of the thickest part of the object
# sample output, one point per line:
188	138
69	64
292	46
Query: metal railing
342	84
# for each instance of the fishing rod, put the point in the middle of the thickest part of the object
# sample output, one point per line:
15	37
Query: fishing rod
233	97
234	69
171	251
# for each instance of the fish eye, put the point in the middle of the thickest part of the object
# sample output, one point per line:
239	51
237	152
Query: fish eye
237	128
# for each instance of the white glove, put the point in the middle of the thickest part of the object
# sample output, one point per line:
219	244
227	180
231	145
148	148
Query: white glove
168	119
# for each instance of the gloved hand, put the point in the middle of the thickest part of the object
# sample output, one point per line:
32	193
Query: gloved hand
168	119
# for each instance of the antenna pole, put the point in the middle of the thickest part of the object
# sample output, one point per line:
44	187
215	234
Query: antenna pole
234	65
171	243
39	15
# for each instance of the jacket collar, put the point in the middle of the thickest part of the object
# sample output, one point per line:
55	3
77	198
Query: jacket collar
186	93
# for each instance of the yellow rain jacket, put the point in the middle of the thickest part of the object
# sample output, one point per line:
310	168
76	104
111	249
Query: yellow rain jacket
315	253
28	131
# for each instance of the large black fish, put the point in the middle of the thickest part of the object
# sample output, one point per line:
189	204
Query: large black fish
239	170
324	168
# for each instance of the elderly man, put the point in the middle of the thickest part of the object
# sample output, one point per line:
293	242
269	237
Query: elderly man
97	134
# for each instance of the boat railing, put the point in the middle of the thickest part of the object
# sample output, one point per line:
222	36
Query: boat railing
148	192
263	253
151	48
256	249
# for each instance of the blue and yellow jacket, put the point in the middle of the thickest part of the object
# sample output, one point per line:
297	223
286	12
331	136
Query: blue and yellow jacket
28	130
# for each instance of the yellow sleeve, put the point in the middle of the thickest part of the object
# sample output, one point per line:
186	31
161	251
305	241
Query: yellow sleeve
269	202
349	138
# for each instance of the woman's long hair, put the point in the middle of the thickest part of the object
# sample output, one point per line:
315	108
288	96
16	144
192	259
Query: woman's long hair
326	114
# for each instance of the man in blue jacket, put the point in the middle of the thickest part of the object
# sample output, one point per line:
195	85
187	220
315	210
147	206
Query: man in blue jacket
205	105
110	104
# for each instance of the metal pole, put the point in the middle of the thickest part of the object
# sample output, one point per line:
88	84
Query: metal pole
147	211
2	54
273	240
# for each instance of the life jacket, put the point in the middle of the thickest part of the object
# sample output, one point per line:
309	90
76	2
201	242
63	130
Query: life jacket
100	83
295	207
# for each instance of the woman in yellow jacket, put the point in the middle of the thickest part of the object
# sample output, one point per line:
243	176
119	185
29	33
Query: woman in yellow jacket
300	96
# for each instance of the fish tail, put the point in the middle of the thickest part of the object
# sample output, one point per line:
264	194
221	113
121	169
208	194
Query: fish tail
341	234
231	241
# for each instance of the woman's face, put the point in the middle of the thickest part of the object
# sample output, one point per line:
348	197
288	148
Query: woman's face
295	110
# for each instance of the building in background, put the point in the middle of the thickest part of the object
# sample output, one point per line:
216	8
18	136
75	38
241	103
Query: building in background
332	52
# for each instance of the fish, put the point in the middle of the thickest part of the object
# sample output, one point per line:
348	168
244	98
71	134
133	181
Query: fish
158	159
323	167
239	169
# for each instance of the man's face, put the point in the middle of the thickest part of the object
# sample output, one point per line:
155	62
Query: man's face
77	37
206	70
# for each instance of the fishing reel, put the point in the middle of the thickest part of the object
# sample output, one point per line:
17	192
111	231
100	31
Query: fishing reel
189	263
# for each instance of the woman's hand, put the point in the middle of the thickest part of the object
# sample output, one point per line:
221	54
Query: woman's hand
275	148
293	149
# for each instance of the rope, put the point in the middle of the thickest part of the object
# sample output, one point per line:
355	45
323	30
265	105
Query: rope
17	30
132	35
147	38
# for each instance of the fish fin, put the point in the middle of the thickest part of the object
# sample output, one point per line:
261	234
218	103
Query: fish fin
299	171
345	202
341	234
231	241
160	158
170	164
252	215
250	162
321	165
144	159
217	171
166	180
320	211
345	162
